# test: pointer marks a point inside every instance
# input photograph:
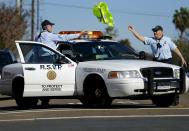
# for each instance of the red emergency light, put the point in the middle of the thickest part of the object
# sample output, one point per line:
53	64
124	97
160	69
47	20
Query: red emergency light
89	34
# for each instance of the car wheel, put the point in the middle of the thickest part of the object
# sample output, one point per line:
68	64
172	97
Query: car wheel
45	102
166	100
25	103
96	95
22	102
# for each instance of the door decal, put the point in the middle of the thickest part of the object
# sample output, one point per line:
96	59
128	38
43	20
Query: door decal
51	75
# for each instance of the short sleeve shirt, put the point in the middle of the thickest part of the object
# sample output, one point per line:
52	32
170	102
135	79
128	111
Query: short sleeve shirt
51	39
164	50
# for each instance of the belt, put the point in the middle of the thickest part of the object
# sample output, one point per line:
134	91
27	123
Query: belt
169	60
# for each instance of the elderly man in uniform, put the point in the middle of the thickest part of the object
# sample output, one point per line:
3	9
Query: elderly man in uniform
161	45
51	39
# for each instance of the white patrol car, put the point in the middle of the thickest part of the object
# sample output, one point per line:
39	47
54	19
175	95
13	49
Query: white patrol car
94	71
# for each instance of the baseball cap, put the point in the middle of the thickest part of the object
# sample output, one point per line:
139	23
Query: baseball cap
46	22
157	27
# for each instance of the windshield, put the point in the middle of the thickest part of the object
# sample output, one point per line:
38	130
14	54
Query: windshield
103	51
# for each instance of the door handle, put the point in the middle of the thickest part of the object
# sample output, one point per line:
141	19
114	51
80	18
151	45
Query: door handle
29	68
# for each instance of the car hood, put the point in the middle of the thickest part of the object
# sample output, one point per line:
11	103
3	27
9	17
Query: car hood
124	64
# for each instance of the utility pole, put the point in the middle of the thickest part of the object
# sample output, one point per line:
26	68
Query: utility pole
21	2
19	6
32	19
38	28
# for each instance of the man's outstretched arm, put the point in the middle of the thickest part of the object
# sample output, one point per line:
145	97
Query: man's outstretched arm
135	33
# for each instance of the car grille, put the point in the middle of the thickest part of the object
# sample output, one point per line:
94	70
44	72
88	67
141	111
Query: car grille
158	72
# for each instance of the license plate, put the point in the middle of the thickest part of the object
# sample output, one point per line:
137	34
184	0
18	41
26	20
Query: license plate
163	86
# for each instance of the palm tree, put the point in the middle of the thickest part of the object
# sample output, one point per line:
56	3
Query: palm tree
181	20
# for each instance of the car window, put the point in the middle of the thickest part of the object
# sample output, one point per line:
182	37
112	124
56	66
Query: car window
104	50
66	50
39	54
5	58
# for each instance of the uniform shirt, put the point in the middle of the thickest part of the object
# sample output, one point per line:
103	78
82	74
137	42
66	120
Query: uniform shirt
51	39
164	51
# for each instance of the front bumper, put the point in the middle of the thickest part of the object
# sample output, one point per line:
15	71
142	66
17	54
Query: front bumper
153	85
147	87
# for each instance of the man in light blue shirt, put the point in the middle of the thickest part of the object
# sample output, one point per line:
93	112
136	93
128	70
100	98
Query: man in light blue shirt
51	39
161	45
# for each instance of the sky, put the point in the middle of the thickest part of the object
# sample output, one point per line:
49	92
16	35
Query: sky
142	14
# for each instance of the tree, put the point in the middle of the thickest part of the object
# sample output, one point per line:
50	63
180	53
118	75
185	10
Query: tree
181	20
126	42
183	47
12	26
110	31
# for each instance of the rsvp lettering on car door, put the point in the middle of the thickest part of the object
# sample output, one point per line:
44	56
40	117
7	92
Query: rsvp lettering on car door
50	67
51	75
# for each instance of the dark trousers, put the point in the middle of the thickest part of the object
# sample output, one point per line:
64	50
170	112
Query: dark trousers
168	61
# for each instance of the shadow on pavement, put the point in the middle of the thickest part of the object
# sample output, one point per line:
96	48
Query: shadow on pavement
77	106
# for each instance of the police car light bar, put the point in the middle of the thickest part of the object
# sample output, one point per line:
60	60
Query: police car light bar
89	35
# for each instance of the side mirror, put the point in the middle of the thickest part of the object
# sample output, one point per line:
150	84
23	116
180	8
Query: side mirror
142	55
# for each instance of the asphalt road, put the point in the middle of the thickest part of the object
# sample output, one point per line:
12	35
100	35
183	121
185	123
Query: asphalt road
70	115
142	123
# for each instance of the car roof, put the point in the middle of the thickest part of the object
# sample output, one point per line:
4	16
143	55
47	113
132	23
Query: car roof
84	40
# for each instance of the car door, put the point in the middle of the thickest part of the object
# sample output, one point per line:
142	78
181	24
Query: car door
46	71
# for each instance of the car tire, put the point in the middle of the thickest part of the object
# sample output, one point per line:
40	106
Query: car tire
166	100
25	103
95	94
22	102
